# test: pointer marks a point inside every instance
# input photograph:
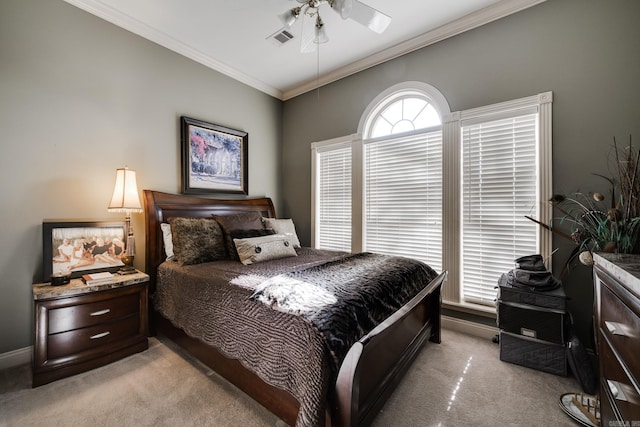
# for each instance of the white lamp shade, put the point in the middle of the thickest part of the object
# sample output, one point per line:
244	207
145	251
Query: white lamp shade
125	193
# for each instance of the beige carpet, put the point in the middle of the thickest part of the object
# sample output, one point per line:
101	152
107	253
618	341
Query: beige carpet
460	382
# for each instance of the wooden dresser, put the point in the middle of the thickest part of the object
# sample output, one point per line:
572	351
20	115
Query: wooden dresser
617	303
79	327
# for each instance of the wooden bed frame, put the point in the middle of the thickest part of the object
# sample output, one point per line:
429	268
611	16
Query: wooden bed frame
373	366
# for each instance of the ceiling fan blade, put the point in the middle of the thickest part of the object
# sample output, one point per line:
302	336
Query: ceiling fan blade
369	17
343	7
308	33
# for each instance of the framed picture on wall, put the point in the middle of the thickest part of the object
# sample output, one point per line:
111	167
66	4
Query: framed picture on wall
214	158
82	247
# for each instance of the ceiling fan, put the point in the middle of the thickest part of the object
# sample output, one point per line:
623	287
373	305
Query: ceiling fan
313	31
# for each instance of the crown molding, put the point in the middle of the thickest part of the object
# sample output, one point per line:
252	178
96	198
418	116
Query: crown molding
469	22
459	26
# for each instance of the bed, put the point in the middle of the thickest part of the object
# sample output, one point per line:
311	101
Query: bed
302	382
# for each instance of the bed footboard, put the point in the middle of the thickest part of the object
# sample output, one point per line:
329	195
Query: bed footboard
376	363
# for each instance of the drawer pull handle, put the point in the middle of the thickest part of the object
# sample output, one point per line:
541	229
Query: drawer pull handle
621	391
100	312
614	328
101	335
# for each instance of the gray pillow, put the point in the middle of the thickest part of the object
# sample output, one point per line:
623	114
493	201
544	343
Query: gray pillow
197	240
258	249
283	226
232	223
244	234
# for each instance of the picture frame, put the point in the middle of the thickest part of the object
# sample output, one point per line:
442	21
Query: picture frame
214	158
95	246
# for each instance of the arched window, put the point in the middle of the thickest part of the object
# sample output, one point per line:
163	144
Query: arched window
402	173
408	113
455	190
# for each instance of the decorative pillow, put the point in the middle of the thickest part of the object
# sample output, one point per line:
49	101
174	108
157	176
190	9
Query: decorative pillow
167	239
283	226
197	240
239	221
244	234
258	249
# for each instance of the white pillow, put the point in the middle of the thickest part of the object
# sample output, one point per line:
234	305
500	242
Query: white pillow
283	226
168	239
264	248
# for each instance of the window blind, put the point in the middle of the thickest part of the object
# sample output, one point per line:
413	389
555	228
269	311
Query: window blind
333	230
403	197
499	187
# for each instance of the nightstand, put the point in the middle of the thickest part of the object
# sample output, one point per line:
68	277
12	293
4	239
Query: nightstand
79	327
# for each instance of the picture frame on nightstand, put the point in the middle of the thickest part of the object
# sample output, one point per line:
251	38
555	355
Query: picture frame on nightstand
73	248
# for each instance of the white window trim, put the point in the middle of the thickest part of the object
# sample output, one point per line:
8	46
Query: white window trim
317	147
451	293
439	102
451	123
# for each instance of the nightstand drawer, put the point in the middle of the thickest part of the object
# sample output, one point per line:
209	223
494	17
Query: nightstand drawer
618	386
83	315
77	340
621	327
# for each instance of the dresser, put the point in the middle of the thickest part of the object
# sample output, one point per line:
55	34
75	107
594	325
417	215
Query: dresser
617	305
79	327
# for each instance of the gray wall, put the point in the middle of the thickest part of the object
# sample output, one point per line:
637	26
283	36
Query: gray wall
79	98
585	51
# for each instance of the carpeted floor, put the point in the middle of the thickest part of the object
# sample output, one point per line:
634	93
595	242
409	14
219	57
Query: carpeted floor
460	382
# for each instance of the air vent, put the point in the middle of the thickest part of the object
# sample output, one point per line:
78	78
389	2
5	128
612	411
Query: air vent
280	37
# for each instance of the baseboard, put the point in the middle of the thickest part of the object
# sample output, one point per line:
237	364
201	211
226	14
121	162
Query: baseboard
467	327
14	358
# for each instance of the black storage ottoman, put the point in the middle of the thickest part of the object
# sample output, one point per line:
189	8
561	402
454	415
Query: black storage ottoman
545	324
533	353
533	327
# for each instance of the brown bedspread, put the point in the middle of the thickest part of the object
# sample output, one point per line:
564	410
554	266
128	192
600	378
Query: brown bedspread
283	346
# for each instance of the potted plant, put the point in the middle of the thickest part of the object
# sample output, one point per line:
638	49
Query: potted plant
596	223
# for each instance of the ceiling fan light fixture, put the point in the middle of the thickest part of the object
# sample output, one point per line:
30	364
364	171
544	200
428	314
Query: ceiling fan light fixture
343	7
289	17
312	34
321	34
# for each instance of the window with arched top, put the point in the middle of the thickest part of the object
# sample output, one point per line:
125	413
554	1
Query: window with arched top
396	206
402	173
408	113
455	190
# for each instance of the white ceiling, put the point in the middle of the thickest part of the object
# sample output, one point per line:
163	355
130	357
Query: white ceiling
231	36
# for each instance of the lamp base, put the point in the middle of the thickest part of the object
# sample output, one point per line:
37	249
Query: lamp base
127	270
128	267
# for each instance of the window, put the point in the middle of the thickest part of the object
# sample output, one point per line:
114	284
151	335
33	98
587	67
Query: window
498	191
450	189
403	194
333	230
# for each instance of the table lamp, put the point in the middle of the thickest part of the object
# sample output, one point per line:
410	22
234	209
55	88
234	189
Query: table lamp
125	199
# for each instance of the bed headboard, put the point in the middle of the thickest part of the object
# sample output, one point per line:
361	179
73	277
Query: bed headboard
159	207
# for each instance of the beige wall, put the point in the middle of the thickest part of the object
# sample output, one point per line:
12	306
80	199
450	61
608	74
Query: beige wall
79	98
585	51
